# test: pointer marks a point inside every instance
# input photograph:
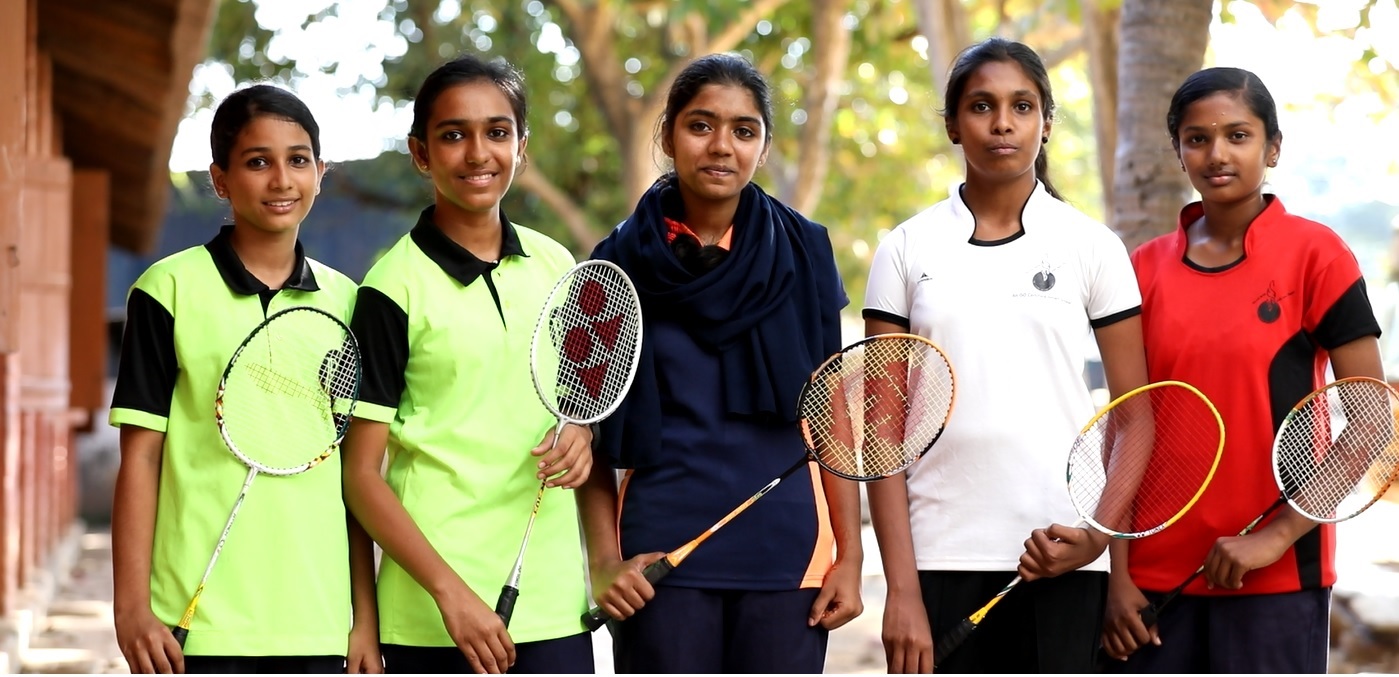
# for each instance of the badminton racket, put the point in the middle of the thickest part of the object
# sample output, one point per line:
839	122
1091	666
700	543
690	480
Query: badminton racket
1139	465
583	357
282	407
1334	455
868	412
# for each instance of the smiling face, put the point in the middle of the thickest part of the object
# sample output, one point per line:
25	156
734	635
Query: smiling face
272	177
1224	148
473	146
717	141
999	121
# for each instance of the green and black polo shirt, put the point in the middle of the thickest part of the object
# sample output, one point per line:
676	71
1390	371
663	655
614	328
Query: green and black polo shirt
446	342
282	583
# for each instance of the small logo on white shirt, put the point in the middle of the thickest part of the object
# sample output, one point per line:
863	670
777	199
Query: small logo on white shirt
1043	278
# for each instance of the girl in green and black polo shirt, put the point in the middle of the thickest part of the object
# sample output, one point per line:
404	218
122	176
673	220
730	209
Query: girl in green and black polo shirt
445	320
279	599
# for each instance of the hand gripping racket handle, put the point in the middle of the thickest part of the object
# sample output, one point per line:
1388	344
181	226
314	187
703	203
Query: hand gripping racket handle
180	635
596	617
505	606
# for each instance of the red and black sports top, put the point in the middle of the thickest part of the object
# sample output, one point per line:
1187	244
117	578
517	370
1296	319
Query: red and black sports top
1253	336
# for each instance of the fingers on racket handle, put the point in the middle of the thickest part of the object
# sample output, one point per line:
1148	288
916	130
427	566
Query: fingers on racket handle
181	635
1149	616
505	606
596	617
949	642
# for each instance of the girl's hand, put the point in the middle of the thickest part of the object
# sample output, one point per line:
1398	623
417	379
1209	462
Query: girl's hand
908	638
621	589
147	645
572	456
477	631
364	657
1123	630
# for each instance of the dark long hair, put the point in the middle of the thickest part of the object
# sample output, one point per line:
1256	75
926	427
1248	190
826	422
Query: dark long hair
994	50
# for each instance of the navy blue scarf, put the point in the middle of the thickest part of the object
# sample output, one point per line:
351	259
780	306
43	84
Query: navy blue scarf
771	310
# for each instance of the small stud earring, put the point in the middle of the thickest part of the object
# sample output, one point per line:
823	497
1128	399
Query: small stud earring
1044	139
956	140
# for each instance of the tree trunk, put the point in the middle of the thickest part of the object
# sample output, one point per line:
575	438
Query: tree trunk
944	25
1100	27
1162	43
821	96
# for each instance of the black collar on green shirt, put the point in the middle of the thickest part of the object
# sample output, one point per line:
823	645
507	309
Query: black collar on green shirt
455	259
237	277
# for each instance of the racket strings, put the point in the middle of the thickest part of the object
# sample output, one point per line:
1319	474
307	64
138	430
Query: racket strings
1337	452
878	406
584	361
286	399
1144	462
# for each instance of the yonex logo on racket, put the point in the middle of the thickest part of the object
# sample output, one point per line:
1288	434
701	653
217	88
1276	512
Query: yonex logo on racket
589	325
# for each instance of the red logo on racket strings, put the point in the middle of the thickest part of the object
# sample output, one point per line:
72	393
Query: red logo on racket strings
579	342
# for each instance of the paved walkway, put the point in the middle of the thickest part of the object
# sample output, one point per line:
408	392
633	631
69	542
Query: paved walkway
76	637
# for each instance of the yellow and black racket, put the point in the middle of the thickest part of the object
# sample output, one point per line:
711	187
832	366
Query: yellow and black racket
1138	466
1334	455
868	412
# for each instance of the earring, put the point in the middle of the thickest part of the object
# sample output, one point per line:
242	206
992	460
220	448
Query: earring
956	140
1044	139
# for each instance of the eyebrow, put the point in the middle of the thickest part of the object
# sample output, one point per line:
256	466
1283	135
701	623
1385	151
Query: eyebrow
700	112
1228	125
1019	93
462	122
265	149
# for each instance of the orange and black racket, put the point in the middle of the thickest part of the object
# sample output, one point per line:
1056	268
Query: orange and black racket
868	412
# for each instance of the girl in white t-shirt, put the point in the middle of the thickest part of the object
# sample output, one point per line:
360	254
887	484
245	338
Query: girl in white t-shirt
1012	282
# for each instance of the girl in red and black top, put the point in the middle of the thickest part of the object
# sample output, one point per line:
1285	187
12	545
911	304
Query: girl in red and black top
1248	303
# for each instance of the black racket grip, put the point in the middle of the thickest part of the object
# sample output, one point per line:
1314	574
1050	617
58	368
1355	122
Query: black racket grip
596	617
505	606
949	642
180	634
1149	616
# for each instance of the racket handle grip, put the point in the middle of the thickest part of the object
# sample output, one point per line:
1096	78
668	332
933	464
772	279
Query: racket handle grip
1149	616
596	617
180	634
505	606
948	643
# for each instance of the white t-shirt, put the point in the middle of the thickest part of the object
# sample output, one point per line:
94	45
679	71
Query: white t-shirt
1015	317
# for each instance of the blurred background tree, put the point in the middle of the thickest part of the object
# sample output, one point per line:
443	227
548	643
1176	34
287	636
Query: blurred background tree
859	139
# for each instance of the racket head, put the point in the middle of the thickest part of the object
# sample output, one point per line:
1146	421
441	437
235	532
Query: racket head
289	391
1337	451
1145	459
877	406
587	343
